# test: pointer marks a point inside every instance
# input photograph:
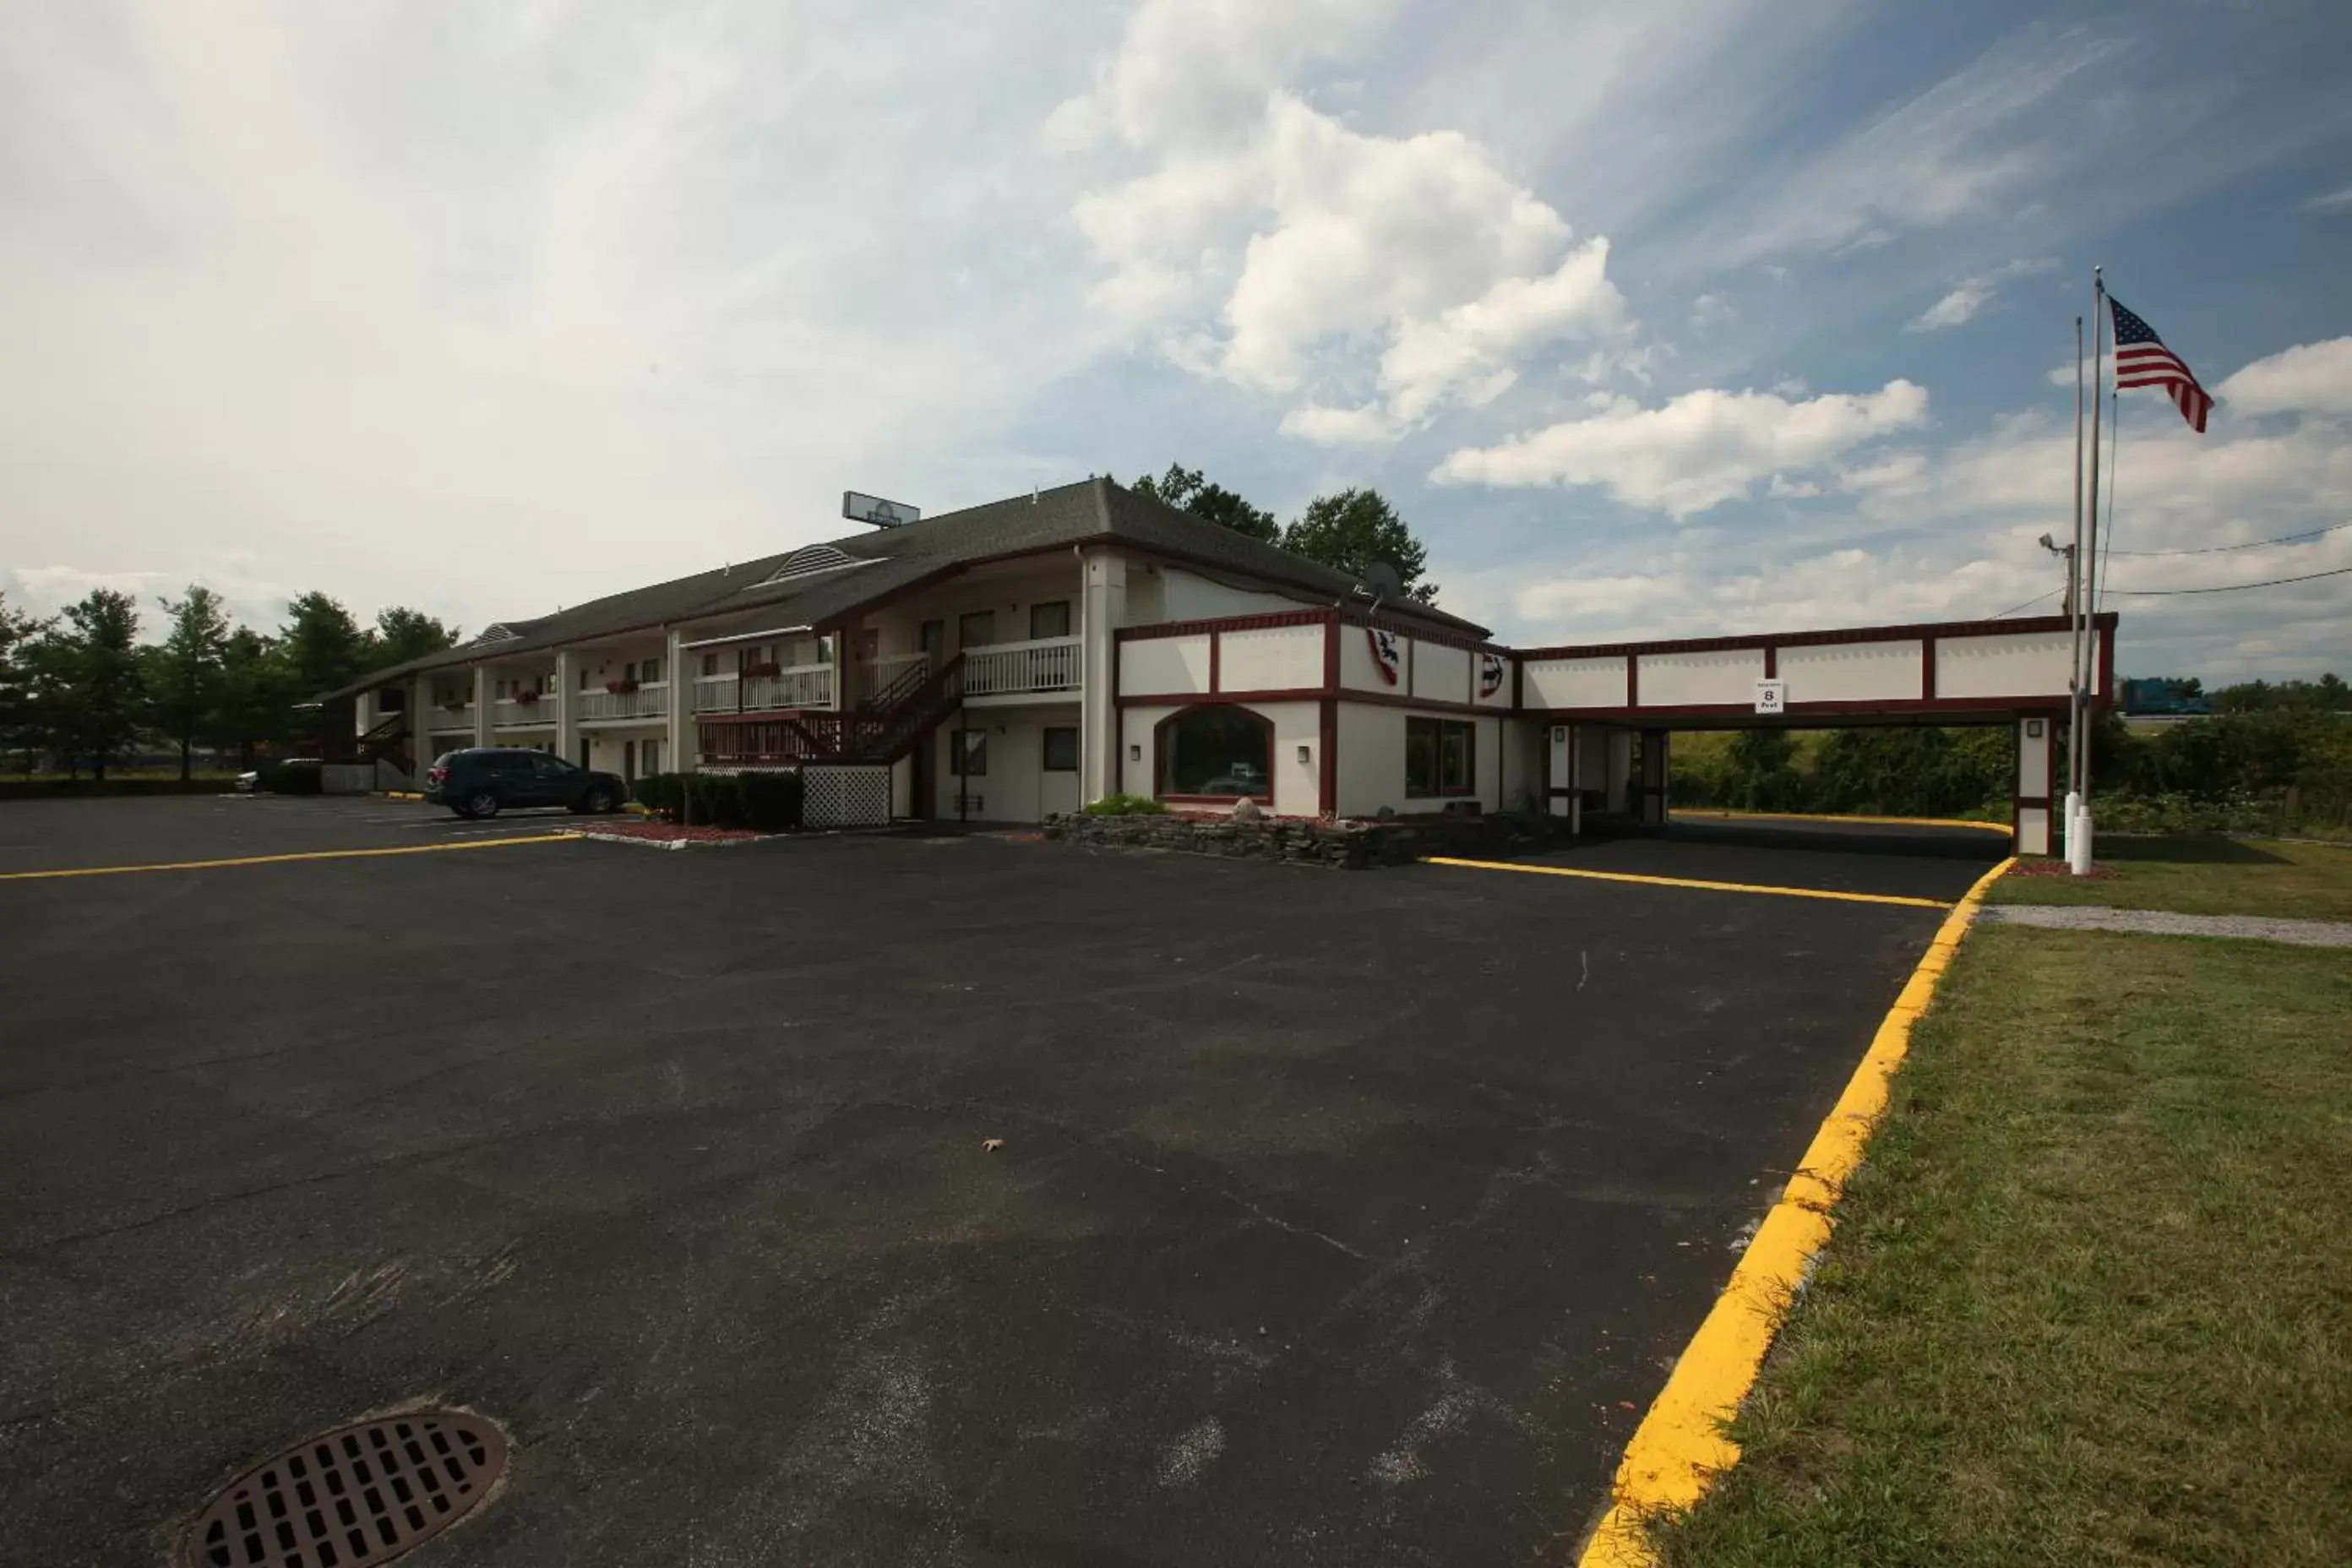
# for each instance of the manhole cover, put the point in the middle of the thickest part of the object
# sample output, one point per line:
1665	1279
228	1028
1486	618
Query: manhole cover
358	1495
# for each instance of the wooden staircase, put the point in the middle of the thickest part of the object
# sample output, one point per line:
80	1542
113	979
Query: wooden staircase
881	730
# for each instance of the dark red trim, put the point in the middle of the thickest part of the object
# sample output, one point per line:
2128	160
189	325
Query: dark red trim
1771	660
1327	783
1160	760
2104	620
1222	624
2034	801
1434	705
1865	707
2105	696
1330	650
1632	680
1216	652
1355	617
1221	698
1927	669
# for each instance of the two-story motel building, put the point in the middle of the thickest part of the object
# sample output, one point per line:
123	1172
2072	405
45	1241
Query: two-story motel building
1025	657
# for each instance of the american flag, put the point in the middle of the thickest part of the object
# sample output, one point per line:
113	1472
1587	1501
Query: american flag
2142	360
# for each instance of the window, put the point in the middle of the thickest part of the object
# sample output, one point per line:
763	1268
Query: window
649	756
582	671
1216	751
1441	757
932	639
1061	749
709	664
550	767
976	628
649	670
968	753
1050	620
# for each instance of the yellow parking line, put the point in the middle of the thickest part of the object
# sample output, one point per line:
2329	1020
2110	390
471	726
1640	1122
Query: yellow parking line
1695	883
1680	1447
280	860
1728	815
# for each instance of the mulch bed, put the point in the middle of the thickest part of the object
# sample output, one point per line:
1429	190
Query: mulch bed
652	832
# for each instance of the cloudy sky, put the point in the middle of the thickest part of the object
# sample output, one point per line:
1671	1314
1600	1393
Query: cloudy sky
1690	316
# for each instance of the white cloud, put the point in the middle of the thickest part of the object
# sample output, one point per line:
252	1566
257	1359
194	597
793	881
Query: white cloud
1696	451
2313	378
1308	242
2332	202
1971	295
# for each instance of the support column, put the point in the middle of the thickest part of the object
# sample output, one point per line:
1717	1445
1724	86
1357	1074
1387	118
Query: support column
567	705
422	745
678	735
1655	772
1103	609
1617	781
482	712
2031	810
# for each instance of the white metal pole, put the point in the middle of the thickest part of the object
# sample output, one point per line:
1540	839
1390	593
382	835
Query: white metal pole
2078	856
2074	709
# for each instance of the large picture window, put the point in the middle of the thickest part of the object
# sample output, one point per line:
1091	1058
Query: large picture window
1441	757
1216	751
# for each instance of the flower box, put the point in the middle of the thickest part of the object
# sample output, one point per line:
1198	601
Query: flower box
758	670
620	687
527	696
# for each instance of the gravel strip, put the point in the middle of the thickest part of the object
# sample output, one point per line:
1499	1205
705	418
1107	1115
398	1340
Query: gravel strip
2157	923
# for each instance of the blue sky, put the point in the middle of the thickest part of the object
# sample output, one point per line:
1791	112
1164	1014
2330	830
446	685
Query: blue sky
1696	316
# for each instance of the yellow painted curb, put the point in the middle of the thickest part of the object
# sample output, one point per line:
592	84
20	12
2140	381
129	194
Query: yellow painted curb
280	860
2001	828
1690	882
399	794
1680	1445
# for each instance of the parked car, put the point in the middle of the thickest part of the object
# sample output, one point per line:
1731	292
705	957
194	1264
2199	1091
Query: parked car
482	781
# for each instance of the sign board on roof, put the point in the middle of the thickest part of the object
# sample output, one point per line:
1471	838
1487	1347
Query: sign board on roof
874	510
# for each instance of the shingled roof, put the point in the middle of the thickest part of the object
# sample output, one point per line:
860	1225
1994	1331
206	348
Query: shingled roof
1095	510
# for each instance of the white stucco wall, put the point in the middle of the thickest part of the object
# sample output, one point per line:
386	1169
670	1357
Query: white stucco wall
1297	782
1848	672
1274	659
1439	672
2011	663
1573	682
1016	787
1184	596
1682	679
1154	667
1372	761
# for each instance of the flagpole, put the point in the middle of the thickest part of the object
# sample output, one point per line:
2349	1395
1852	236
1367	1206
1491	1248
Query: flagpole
2074	713
2079	848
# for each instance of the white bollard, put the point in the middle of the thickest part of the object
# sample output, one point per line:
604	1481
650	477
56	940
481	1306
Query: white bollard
2066	823
2078	849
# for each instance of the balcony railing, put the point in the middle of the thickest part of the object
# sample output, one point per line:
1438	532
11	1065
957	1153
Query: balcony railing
1011	668
803	686
439	719
649	701
508	712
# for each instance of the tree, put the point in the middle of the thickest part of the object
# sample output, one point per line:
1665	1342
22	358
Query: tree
322	647
18	634
185	673
1189	491
257	694
1356	528
402	634
91	684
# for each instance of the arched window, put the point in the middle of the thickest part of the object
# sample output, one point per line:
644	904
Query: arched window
1216	753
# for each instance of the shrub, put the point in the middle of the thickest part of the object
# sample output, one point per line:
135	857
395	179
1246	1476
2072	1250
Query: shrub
769	803
763	801
659	792
291	778
1124	805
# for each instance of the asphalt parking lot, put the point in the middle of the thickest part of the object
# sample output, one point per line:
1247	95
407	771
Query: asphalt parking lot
1339	1218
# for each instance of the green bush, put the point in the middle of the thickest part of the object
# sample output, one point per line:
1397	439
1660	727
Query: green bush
1124	805
659	792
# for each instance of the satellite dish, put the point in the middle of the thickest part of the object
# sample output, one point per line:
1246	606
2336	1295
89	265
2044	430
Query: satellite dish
1383	580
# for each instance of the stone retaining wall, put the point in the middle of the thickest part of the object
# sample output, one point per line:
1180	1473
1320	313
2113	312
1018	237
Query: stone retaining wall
1342	845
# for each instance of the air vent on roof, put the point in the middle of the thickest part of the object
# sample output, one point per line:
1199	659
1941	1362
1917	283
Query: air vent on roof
810	563
498	631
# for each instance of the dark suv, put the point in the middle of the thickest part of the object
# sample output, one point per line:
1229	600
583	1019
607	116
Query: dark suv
482	781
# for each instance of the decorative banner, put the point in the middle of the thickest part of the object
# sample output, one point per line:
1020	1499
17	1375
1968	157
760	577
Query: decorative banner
1387	653
1490	675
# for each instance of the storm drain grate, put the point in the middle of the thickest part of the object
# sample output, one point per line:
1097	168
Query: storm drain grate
358	1495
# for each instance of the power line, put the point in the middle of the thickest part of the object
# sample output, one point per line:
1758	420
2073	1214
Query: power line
2257	544
2227	587
2028	605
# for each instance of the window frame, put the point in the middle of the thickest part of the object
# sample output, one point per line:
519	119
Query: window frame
1045	749
958	755
1061	604
1160	733
1439	731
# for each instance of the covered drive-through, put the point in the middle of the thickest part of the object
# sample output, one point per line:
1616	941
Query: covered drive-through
1611	708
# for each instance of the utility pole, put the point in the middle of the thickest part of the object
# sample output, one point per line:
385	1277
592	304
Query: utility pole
2078	846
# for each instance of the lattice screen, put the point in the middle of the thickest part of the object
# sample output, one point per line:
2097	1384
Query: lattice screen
845	795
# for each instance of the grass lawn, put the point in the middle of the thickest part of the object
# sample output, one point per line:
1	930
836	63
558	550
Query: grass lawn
2203	876
2090	1300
